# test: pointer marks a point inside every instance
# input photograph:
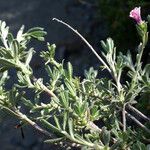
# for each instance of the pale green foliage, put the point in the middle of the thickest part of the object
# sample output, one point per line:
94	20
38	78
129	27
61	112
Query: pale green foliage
74	104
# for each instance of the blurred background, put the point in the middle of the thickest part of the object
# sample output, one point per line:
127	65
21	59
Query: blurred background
94	19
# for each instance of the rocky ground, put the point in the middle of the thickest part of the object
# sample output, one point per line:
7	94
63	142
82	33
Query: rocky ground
40	13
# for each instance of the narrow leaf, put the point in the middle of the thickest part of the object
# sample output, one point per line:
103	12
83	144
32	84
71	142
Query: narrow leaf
29	56
65	116
70	70
56	140
50	126
57	122
70	124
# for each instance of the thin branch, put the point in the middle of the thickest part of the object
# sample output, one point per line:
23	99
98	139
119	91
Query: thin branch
33	124
124	117
86	42
139	113
138	122
23	117
9	110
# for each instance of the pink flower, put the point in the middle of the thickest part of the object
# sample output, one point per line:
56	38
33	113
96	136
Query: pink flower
136	14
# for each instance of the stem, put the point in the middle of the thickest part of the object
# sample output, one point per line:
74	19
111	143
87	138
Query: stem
140	55
33	124
137	68
68	136
124	117
118	81
11	111
139	113
138	122
118	85
23	117
83	142
86	42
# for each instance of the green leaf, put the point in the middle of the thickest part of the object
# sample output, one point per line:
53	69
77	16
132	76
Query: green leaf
51	49
70	71
57	122
95	113
49	55
104	46
70	124
108	46
39	34
10	39
49	71
105	136
15	48
6	53
3	77
64	99
7	63
65	117
50	126
139	146
35	29
91	74
20	34
29	56
116	145
77	109
27	103
70	87
4	31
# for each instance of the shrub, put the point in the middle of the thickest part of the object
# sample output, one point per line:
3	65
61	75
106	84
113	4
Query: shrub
90	113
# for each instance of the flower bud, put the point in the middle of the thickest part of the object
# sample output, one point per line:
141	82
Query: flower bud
136	15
